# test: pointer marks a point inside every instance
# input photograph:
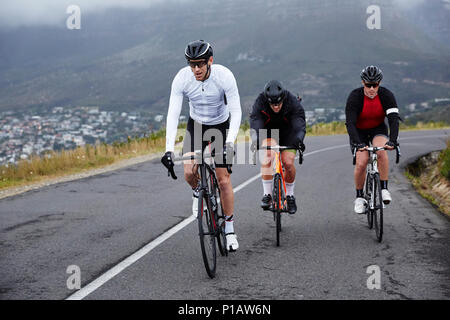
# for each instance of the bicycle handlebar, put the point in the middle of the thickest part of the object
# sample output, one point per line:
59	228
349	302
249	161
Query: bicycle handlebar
375	149
196	156
280	148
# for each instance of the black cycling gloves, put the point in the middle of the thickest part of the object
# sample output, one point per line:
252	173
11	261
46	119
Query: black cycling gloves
167	161
392	144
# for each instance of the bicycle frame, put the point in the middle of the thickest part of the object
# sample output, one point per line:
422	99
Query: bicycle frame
278	169
372	169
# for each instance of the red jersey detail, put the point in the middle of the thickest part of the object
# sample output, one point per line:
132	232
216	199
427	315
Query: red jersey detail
372	114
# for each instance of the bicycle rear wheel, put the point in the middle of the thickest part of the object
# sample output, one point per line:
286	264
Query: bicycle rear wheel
368	192
207	234
378	207
277	205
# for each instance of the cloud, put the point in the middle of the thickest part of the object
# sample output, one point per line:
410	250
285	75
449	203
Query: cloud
408	3
16	13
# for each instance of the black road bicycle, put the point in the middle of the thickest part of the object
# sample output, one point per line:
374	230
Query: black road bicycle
210	217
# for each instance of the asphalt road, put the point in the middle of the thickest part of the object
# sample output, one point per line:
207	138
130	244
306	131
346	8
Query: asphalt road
326	249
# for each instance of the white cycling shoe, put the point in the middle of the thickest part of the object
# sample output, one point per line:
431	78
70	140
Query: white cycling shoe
194	206
386	196
232	243
360	205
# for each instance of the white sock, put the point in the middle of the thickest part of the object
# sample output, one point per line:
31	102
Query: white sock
290	188
229	227
267	186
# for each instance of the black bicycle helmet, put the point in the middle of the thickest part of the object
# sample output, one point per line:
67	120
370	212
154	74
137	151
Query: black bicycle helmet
198	49
371	74
274	91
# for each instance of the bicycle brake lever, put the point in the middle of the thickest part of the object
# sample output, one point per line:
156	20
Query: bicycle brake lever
171	172
397	158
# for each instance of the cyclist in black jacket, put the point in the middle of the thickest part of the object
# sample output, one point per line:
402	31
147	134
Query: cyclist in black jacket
281	114
366	110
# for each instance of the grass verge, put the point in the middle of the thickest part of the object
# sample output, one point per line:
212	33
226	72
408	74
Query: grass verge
430	177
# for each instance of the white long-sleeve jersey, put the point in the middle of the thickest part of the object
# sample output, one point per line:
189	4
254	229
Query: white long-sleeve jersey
206	101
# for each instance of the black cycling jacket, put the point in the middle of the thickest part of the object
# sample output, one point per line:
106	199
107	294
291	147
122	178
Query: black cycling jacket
290	120
355	103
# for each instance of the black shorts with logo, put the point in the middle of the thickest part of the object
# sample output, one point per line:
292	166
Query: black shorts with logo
199	136
366	135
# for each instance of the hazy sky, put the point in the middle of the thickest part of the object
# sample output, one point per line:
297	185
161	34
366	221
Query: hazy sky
53	12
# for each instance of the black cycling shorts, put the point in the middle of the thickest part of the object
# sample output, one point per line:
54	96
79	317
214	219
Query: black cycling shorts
366	135
214	134
282	137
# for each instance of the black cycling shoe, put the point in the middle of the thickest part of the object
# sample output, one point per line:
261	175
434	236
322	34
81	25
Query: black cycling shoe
266	201
292	207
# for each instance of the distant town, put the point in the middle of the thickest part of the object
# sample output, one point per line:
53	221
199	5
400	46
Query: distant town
23	135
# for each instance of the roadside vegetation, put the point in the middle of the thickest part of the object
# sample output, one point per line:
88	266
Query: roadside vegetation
430	175
59	163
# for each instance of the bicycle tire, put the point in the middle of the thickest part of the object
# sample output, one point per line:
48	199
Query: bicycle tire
378	208
276	205
207	235
218	214
368	192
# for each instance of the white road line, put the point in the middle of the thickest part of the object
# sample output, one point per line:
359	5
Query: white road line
111	273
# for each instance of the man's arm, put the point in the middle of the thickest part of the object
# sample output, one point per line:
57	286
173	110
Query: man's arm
234	105
298	122
393	117
256	121
351	116
173	114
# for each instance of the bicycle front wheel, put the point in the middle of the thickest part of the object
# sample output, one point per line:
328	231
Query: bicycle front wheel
206	233
378	207
368	192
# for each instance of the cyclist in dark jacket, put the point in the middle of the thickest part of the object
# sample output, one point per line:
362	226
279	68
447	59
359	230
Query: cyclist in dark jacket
278	118
366	110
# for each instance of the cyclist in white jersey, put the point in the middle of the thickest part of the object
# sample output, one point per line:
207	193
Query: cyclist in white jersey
214	116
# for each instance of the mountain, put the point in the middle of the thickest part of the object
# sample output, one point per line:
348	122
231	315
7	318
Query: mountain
126	59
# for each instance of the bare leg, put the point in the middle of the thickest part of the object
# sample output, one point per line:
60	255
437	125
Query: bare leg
383	160
191	171
226	191
288	159
362	158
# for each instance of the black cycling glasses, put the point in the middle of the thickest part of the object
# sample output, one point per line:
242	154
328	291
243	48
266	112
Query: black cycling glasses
372	85
199	64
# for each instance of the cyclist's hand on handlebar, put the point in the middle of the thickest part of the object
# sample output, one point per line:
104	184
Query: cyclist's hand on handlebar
390	145
360	146
167	161
301	146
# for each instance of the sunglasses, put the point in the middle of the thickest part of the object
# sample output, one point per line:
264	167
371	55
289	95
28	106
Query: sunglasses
199	64
372	85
